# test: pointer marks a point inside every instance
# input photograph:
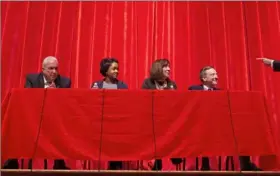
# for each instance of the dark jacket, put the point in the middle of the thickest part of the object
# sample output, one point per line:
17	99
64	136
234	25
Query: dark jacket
113	165
36	80
150	84
200	87
120	84
276	66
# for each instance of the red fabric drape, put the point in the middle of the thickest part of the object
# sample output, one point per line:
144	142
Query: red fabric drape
83	123
227	35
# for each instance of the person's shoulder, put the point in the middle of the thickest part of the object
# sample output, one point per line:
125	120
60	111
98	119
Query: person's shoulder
147	80
122	85
172	84
148	84
122	82
97	84
65	79
195	87
32	76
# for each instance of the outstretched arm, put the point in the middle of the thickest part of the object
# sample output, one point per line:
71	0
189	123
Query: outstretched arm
272	63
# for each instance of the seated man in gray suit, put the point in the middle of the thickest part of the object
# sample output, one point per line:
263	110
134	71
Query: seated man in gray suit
48	78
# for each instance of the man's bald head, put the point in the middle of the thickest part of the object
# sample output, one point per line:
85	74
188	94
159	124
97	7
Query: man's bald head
50	68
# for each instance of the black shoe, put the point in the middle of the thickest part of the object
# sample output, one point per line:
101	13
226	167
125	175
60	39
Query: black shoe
158	165
115	165
251	167
59	164
255	168
205	164
61	168
205	168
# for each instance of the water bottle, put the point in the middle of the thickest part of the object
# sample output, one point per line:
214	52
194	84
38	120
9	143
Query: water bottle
95	86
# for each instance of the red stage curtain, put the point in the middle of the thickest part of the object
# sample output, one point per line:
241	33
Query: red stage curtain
227	35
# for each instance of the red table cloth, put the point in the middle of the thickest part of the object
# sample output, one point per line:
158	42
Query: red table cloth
134	124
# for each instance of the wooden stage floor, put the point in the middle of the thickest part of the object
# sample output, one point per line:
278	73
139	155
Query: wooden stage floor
26	172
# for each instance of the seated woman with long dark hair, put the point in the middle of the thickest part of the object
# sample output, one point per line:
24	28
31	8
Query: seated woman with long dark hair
109	68
159	79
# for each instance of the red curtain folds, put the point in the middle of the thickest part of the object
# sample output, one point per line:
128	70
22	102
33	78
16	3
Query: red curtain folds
227	35
75	123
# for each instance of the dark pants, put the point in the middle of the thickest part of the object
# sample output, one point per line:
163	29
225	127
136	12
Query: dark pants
158	165
13	164
245	163
205	163
115	165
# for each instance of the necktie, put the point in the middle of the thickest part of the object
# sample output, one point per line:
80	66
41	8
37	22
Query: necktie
52	85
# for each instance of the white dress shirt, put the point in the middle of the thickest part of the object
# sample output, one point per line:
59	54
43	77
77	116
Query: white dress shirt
206	87
47	85
272	64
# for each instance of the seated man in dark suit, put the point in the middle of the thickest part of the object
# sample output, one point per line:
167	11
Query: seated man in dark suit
272	63
48	78
209	79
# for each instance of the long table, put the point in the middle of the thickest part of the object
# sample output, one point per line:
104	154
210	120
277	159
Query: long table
134	124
